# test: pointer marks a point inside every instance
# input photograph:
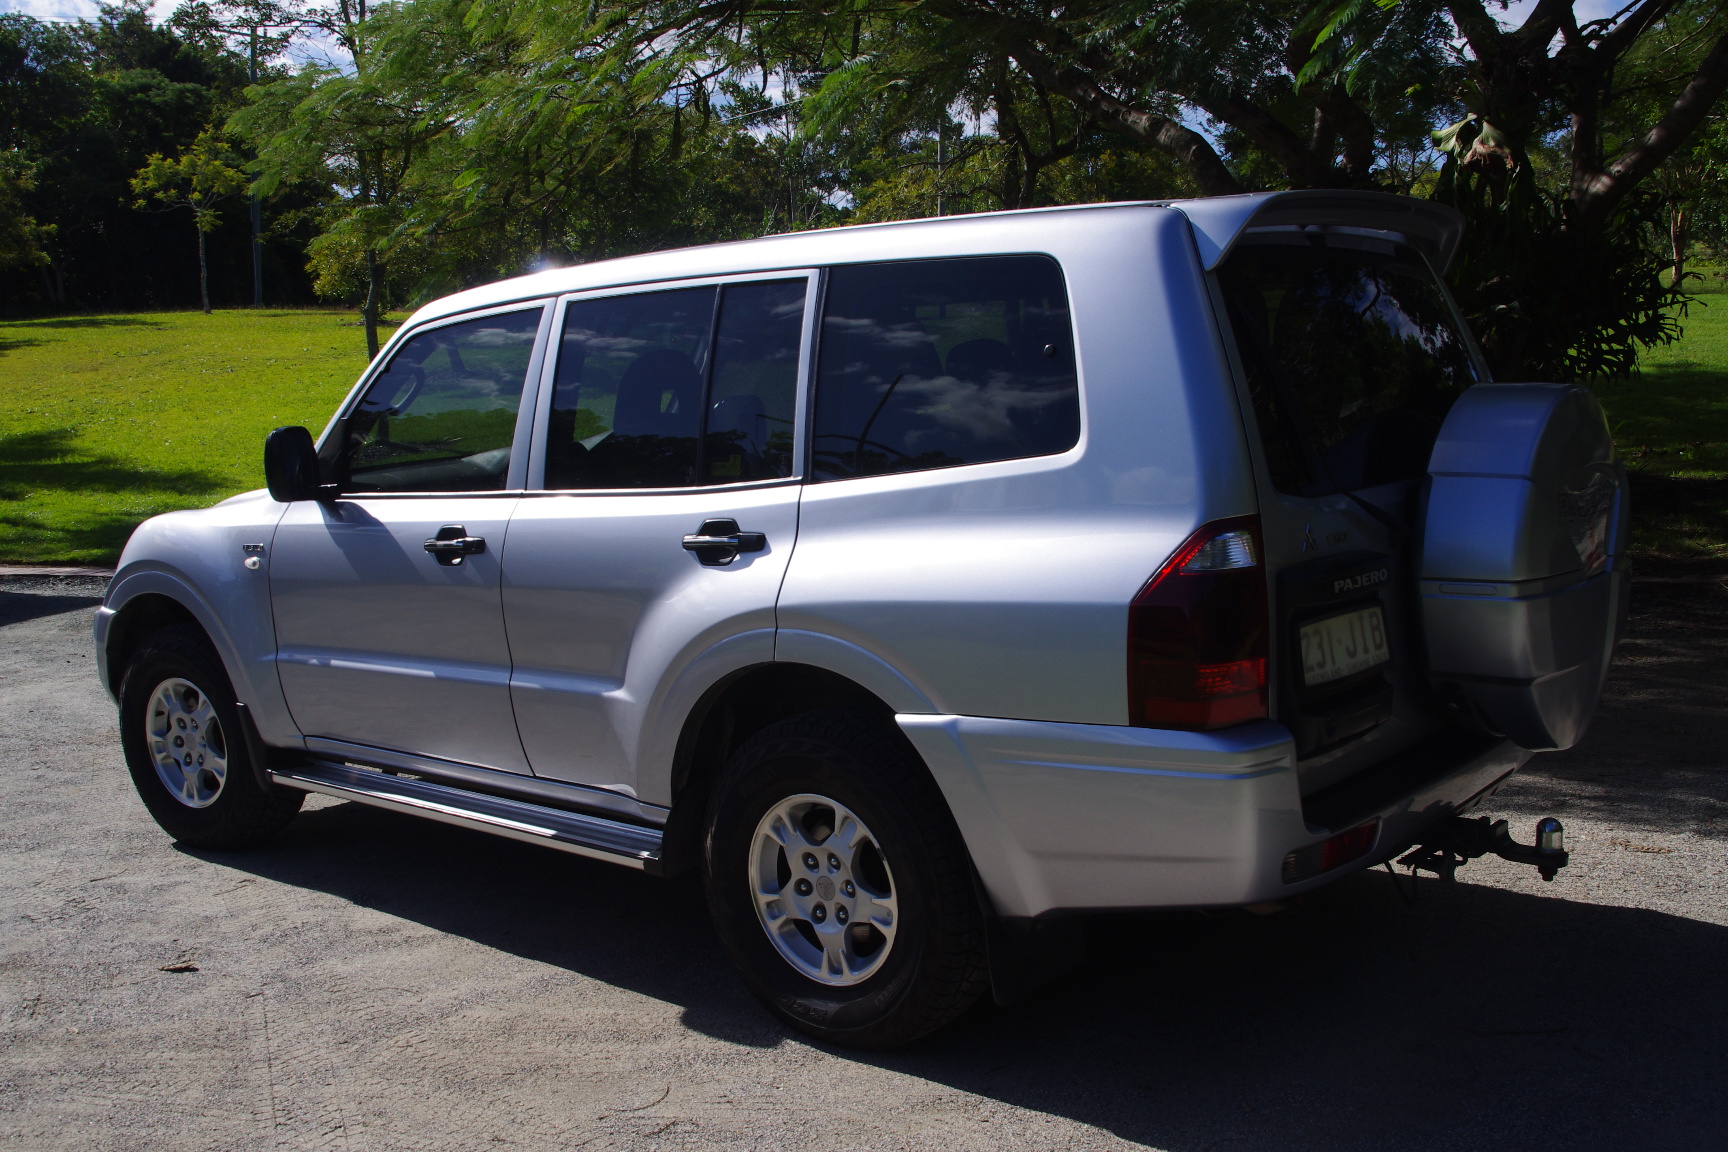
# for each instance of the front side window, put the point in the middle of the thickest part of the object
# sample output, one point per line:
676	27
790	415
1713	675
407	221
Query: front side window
442	414
1353	357
676	388
934	363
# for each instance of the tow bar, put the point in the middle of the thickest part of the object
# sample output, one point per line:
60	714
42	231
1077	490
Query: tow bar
1458	840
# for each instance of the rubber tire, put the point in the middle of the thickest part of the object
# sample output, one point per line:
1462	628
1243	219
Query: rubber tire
937	968
243	814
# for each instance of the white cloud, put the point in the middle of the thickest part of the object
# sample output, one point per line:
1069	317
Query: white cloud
73	9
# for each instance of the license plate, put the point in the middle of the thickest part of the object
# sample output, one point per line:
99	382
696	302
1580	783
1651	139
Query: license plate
1344	645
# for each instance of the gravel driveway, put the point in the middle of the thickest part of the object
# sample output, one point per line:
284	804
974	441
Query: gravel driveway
376	982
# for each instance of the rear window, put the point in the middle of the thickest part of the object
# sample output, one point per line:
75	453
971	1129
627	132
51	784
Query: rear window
1353	355
935	363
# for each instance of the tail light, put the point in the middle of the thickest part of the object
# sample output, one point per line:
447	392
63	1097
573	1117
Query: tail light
1197	633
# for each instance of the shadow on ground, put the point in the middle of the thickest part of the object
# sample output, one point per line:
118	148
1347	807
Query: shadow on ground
17	607
1655	753
1476	1018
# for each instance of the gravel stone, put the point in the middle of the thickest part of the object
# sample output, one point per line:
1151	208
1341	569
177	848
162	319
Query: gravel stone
372	981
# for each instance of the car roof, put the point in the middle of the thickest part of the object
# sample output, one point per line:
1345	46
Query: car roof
1217	223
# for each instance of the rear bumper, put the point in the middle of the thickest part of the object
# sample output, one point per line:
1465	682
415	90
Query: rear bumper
1085	816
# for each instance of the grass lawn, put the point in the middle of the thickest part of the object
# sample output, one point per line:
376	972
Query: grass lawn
1671	424
108	420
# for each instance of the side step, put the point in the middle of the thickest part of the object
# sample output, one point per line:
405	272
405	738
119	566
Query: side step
611	840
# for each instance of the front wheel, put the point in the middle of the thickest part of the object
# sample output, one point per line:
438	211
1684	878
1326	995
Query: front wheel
180	730
840	886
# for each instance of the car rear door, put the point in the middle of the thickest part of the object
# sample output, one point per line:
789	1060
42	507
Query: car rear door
1352	355
667	427
389	626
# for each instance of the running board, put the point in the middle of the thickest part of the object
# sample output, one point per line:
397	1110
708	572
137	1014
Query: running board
596	837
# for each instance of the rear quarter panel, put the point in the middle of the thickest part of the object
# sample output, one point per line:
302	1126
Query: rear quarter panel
1002	589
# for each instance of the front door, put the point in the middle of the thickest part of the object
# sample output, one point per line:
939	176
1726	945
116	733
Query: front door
672	414
389	627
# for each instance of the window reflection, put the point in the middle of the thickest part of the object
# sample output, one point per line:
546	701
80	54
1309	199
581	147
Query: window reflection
1353	356
931	364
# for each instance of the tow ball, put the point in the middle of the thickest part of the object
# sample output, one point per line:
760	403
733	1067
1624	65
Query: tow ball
1459	839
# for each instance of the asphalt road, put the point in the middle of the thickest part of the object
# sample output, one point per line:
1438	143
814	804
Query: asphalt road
373	981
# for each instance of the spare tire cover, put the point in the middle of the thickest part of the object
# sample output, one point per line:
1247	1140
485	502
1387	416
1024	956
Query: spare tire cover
1523	582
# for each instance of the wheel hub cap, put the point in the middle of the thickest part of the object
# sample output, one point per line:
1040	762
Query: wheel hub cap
822	890
186	741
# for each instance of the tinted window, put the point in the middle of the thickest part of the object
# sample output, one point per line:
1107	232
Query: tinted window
1353	357
441	416
627	403
935	363
755	384
637	373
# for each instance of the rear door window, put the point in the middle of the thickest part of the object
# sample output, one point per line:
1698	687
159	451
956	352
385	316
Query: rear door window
1353	355
677	388
934	363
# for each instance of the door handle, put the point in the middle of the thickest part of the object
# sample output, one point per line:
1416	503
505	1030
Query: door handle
453	543
718	542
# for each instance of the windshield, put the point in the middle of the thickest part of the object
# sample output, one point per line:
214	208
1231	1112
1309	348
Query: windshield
1353	355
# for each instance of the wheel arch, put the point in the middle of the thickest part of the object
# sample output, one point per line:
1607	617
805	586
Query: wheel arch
731	711
134	622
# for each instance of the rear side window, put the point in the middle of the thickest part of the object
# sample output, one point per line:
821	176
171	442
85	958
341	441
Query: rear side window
934	363
441	416
1353	356
671	389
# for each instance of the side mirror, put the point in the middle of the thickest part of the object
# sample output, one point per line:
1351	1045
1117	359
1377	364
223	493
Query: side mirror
291	464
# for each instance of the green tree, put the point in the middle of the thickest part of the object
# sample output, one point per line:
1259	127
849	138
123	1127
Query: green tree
21	237
200	179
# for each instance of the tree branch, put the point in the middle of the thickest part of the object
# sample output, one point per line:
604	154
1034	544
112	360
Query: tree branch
1480	30
1623	35
1596	194
1278	139
1355	129
1187	145
1538	29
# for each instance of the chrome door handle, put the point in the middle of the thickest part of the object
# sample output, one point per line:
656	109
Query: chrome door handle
718	542
453	543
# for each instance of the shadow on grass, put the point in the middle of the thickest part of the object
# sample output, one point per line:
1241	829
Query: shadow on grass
52	459
1678	522
88	322
94	539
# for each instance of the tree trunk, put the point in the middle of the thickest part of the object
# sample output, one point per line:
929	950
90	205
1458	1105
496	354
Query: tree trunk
257	211
1679	229
369	311
203	275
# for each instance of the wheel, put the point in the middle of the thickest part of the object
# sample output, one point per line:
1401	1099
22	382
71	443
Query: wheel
181	734
839	884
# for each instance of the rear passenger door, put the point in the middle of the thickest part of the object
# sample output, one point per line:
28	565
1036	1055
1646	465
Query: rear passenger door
669	415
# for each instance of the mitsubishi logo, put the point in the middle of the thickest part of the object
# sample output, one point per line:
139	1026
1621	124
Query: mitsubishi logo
1309	544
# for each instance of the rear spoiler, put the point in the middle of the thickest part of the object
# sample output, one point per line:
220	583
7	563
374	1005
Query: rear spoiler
1219	221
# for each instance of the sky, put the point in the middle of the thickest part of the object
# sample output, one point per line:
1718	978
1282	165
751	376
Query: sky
71	9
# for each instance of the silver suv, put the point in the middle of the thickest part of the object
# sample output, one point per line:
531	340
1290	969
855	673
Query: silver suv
922	584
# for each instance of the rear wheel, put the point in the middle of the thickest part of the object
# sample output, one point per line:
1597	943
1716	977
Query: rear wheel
181	734
840	886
